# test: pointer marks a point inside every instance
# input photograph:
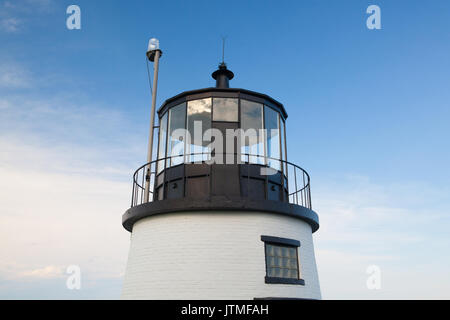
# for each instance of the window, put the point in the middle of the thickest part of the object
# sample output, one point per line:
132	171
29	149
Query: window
198	121
273	137
175	144
252	123
282	260
225	109
162	142
283	145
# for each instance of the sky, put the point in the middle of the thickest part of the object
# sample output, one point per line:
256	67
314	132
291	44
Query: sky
368	119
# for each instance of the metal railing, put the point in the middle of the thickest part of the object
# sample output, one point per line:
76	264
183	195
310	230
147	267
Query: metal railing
294	182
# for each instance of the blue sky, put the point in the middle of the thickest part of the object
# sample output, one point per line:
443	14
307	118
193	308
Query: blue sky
368	119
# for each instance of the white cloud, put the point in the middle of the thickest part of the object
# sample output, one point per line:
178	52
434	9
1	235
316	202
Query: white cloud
10	25
15	14
4	104
14	76
364	224
47	272
56	219
63	190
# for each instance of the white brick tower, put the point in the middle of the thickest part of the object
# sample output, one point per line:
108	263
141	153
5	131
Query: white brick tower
238	227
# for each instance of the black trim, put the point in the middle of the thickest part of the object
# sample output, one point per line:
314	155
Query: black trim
273	280
213	203
222	92
283	241
281	298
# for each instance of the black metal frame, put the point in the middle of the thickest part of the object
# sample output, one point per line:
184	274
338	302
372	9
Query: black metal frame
286	243
223	93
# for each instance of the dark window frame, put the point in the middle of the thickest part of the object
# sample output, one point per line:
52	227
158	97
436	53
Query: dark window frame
287	243
222	95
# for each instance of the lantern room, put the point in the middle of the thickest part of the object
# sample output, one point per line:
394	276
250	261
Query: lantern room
221	148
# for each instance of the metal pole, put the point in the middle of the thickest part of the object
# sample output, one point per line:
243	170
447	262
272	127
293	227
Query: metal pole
152	125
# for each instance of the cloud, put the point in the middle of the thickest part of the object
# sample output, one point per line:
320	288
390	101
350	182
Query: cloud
65	183
15	14
47	272
56	219
391	226
10	25
14	76
4	104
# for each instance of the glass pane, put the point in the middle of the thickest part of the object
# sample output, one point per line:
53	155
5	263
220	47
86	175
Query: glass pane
278	272
162	142
293	263
269	250
198	121
278	251
175	147
277	262
283	144
225	109
292	252
252	123
293	274
283	261
273	137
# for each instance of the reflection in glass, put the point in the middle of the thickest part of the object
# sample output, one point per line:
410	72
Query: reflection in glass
162	142
198	121
252	123
283	145
175	146
225	109
273	137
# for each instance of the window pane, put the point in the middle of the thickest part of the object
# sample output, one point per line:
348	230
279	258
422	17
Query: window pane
293	274
283	144
281	261
175	147
225	109
252	123
292	252
162	142
278	251
293	263
273	137
269	250
199	114
277	261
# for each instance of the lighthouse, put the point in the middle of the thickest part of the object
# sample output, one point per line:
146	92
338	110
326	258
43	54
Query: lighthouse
221	212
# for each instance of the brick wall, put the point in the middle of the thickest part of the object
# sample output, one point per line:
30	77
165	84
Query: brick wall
213	255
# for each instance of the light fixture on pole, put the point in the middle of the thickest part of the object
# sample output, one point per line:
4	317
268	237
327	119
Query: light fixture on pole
153	55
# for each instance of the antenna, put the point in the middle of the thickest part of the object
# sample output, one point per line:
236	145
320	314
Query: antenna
223	49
